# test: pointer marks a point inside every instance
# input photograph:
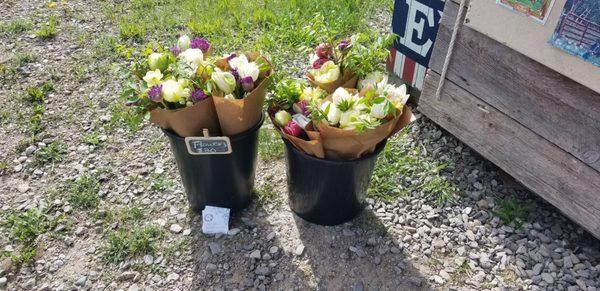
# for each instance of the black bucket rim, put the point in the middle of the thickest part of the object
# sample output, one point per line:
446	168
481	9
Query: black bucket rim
380	146
236	137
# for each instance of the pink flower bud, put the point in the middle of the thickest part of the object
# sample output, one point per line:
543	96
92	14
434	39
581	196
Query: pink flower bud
301	107
292	128
324	51
317	64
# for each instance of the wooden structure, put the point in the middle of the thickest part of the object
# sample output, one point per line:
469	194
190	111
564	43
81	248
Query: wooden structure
534	123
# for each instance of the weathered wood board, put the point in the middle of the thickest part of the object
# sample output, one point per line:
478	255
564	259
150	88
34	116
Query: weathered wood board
537	125
522	34
552	105
539	165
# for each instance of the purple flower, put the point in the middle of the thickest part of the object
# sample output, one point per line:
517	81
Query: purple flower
236	75
200	43
318	63
198	95
155	93
247	84
343	44
301	107
231	56
175	50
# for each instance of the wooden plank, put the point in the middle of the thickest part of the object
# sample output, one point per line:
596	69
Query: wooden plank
541	166
552	105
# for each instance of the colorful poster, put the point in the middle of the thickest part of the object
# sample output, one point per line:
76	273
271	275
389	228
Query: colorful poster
578	30
416	23
536	9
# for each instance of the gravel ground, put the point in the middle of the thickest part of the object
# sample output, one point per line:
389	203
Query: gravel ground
406	243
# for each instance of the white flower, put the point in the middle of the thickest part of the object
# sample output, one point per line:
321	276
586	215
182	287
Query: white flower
229	96
153	78
379	110
193	56
183	42
158	61
238	61
348	119
313	93
342	98
175	91
329	72
333	113
397	95
249	70
224	80
377	80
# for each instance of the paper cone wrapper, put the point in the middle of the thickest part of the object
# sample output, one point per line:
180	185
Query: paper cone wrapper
238	115
189	121
313	147
340	144
348	80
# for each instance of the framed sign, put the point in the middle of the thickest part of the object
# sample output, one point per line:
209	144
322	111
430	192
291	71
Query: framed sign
208	145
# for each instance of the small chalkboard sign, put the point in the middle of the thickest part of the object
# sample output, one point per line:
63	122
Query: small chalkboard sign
208	145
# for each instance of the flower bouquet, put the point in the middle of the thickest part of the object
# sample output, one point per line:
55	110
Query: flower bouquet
241	83
351	60
174	86
342	126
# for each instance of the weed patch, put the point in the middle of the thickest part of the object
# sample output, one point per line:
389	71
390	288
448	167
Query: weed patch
402	169
25	228
511	210
83	192
270	145
123	244
48	29
15	27
50	154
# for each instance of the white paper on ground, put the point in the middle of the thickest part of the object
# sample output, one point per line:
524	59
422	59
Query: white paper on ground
215	220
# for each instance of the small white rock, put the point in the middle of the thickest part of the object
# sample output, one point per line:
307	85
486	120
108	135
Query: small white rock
176	228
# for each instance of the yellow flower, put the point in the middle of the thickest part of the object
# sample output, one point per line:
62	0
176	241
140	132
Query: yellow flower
174	91
329	72
153	78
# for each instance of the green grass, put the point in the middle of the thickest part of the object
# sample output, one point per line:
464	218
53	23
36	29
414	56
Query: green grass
83	192
50	154
283	28
15	27
270	145
266	193
511	210
160	183
124	116
461	274
25	228
122	216
23	58
403	168
35	96
91	138
48	29
123	244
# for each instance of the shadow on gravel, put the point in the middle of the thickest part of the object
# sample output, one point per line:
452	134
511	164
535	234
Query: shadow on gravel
358	255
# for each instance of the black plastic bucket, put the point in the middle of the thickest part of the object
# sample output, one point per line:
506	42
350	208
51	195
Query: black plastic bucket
219	180
328	192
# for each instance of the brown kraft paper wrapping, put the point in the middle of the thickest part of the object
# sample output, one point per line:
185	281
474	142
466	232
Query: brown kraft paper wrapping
340	144
313	147
347	80
238	115
189	121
